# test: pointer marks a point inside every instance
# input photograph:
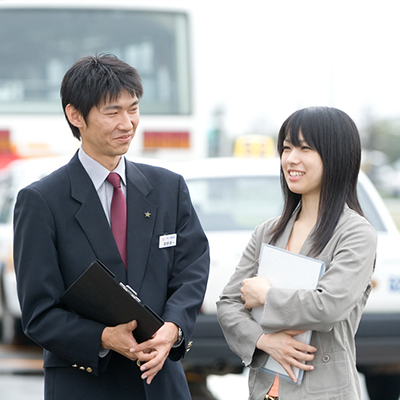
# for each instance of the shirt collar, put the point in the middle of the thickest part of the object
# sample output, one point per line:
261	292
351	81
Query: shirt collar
97	173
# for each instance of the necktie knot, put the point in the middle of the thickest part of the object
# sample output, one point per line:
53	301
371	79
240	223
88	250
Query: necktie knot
114	179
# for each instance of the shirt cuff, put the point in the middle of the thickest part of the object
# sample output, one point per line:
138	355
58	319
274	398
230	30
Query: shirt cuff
103	352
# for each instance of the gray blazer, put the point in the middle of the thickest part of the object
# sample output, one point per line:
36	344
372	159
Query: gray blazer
332	311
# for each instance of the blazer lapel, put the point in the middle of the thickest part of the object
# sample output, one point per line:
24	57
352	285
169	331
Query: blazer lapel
284	238
142	215
93	221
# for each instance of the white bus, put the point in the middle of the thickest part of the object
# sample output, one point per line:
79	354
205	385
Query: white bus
40	40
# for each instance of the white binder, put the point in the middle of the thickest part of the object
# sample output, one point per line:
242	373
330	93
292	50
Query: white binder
292	271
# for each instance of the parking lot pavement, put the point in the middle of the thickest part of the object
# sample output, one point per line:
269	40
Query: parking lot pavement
21	373
20	359
21	387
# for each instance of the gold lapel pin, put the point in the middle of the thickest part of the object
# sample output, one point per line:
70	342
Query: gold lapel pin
147	214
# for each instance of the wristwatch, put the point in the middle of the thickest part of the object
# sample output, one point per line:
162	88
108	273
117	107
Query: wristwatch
180	338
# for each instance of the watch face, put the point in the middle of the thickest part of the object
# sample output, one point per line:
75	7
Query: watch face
180	335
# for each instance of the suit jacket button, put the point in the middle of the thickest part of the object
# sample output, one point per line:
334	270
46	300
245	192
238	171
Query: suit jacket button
82	368
88	369
189	346
326	358
75	366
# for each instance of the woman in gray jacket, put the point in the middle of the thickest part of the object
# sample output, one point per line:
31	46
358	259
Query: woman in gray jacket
320	155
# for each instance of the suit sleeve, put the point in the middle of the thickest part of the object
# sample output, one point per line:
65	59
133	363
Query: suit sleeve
189	275
40	285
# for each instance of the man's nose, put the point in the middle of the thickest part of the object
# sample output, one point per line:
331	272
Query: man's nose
125	122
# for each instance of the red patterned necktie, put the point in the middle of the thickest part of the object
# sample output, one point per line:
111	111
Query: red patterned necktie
118	214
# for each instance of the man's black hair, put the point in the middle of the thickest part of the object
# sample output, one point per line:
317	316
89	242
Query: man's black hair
94	80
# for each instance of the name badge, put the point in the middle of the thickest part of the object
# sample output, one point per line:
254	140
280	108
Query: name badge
167	241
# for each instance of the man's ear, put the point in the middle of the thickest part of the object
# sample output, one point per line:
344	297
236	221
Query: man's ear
74	116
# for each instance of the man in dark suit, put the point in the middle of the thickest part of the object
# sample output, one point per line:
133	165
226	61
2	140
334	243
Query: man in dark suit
63	223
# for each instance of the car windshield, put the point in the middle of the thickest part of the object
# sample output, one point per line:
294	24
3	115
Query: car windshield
242	203
235	203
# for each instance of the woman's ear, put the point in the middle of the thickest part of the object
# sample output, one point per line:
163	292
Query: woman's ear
74	116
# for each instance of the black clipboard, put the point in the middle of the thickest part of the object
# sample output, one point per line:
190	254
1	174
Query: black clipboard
97	296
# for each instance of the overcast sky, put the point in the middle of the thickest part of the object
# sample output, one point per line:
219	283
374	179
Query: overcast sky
263	59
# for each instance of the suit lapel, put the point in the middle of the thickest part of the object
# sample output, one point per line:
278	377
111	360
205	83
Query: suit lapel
142	215
93	221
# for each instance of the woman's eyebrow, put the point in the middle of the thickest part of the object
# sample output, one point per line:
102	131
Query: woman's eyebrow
301	141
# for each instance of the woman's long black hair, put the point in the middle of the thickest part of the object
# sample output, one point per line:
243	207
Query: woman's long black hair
334	135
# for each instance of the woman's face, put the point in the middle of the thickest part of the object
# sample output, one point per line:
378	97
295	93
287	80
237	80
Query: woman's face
302	167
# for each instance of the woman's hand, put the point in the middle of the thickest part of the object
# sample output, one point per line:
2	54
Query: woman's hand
288	351
254	291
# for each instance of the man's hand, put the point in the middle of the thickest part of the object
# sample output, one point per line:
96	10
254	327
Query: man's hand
254	291
287	350
120	339
153	353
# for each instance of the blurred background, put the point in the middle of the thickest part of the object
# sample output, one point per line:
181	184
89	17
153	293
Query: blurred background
213	71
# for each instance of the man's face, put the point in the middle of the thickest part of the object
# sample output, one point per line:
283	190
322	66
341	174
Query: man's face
110	129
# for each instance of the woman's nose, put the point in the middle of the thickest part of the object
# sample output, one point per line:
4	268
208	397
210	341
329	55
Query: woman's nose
293	157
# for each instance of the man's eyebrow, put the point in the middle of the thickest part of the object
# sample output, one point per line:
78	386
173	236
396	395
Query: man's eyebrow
118	107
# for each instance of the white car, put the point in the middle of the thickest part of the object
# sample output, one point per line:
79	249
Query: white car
232	196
